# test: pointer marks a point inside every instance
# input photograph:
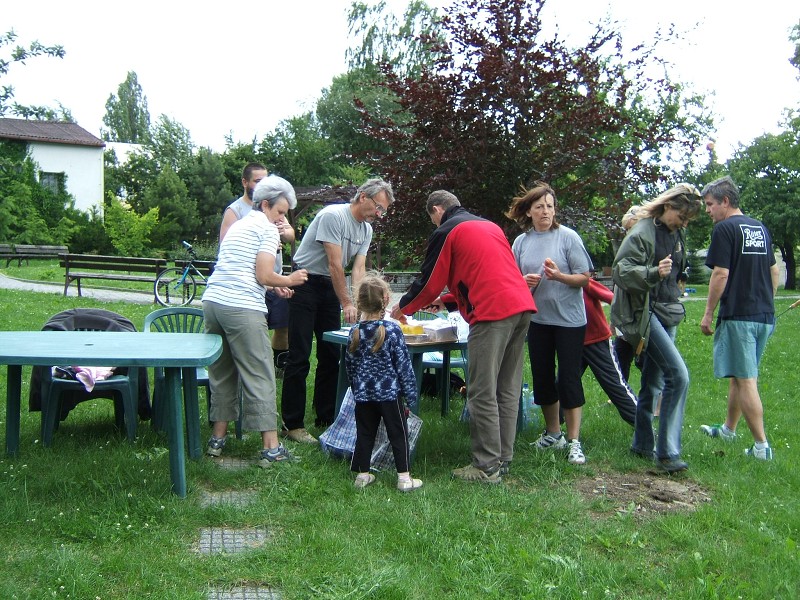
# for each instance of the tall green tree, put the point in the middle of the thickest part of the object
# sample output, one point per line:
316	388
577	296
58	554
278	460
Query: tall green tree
768	173
170	144
127	117
11	54
177	212
503	104
208	185
298	151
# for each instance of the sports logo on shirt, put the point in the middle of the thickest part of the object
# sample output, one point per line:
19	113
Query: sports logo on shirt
754	239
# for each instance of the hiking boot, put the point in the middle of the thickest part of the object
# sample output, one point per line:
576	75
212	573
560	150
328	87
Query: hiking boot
671	465
762	454
409	485
575	454
718	431
215	446
299	435
470	473
281	455
548	442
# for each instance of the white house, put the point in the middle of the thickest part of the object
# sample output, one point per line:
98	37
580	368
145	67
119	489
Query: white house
62	150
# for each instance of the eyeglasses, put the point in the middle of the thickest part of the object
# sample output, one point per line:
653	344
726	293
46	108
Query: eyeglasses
379	209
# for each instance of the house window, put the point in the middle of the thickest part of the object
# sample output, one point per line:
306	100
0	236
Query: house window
52	181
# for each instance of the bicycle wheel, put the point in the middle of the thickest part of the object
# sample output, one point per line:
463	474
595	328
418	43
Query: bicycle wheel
171	291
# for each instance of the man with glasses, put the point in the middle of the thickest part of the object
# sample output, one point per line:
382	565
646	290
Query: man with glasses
338	235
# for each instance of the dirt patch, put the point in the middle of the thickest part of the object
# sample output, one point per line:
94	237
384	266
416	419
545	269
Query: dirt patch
640	494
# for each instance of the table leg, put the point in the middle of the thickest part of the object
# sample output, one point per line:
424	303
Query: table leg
174	418
445	391
416	365
13	392
192	410
341	382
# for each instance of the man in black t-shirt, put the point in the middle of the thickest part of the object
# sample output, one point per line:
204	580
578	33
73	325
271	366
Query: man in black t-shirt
744	281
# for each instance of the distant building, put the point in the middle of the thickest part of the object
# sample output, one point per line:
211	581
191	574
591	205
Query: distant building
64	152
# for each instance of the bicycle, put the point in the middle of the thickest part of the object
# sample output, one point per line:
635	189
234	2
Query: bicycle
177	286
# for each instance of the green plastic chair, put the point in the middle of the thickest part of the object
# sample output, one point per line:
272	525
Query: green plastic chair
179	319
53	388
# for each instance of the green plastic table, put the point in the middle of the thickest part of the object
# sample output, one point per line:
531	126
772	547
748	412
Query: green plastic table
175	352
415	349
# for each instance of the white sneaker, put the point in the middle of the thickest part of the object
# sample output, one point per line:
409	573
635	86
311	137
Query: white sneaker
575	454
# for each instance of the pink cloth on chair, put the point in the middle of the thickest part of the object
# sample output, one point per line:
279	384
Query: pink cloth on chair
88	375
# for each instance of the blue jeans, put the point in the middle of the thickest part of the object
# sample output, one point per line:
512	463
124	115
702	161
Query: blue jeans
665	371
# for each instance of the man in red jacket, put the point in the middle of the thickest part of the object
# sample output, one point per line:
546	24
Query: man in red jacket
472	258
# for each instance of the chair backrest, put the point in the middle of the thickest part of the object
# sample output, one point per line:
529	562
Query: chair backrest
88	319
178	319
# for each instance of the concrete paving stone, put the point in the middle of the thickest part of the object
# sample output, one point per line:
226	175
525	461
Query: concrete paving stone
231	497
258	592
219	540
233	463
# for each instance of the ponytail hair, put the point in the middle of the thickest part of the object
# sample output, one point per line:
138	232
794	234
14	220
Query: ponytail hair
371	299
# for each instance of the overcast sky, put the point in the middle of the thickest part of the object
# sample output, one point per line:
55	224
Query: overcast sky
229	68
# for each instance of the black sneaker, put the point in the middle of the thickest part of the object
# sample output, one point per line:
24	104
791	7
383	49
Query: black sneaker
505	467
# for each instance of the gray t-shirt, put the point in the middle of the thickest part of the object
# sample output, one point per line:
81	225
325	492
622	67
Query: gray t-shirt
334	224
556	303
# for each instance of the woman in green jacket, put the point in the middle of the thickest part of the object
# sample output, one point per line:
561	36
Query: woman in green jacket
645	271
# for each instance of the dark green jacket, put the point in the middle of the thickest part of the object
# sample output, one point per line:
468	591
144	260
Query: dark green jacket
635	275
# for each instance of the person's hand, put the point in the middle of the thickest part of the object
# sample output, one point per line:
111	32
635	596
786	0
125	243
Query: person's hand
705	324
283	292
551	269
435	306
350	314
665	266
397	314
533	279
298	277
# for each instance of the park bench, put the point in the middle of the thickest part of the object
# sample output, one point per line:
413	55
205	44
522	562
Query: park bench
109	268
20	252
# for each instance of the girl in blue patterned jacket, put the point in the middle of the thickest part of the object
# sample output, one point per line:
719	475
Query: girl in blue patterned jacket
381	378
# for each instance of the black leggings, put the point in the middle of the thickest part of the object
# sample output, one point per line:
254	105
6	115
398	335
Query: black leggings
368	419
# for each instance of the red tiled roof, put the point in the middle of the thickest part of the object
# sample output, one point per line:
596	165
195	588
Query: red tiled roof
47	131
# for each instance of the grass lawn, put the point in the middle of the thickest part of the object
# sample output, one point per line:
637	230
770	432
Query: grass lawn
92	517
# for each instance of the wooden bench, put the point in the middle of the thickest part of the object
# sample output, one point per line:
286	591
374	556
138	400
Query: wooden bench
20	252
7	253
109	268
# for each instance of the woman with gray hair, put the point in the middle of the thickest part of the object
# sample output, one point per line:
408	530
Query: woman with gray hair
645	271
233	306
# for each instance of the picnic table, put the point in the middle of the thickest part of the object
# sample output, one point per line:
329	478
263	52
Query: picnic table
415	349
176	352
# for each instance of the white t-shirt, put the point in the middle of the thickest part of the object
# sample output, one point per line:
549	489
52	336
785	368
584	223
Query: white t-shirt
233	282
